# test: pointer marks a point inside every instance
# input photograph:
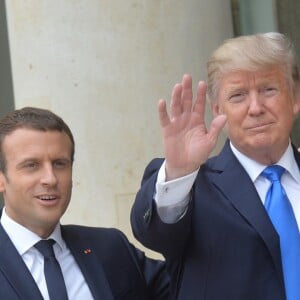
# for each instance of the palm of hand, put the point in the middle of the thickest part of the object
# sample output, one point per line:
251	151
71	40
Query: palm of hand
187	142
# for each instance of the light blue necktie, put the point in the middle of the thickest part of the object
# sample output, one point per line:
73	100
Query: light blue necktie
281	213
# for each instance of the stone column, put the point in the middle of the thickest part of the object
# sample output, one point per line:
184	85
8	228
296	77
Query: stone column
102	66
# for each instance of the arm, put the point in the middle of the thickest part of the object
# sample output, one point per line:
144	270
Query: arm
172	197
187	145
156	280
156	277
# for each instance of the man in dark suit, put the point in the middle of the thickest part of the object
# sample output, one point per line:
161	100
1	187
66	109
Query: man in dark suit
207	216
36	159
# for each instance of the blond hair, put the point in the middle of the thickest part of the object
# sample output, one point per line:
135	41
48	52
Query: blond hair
251	53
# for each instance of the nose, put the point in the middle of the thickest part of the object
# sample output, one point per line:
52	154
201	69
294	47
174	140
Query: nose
48	176
256	106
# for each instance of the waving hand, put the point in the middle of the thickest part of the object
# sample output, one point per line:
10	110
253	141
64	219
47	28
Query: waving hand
187	141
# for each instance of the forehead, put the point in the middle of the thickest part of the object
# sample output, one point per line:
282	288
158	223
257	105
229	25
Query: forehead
275	74
24	142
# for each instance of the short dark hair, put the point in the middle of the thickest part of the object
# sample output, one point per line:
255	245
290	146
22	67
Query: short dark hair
32	118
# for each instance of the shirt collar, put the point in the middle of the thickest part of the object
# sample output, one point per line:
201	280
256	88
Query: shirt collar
24	239
254	169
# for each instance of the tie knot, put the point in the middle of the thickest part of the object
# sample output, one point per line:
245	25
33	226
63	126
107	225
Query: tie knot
45	247
273	173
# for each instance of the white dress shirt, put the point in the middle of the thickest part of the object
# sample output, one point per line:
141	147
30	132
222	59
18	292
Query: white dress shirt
24	241
172	197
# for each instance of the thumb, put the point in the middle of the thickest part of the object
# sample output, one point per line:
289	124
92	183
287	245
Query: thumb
216	126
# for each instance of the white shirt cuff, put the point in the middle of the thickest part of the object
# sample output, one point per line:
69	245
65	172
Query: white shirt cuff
172	197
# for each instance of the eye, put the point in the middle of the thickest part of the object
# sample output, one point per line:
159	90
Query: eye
237	97
269	91
30	165
61	163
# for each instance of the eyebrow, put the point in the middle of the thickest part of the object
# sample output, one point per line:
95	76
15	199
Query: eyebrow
35	159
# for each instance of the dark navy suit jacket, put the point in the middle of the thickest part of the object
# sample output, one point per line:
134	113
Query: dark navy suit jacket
225	246
113	269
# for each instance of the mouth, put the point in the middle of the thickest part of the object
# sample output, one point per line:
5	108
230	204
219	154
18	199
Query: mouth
259	127
47	199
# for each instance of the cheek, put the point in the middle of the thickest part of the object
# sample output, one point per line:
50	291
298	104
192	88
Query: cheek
236	114
235	119
234	127
67	184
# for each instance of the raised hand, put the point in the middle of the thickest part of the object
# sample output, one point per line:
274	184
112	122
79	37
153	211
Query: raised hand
187	141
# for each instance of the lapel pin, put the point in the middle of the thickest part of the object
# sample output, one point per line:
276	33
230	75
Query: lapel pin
87	251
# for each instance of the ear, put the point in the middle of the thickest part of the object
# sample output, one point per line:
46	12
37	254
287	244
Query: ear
215	108
296	107
2	182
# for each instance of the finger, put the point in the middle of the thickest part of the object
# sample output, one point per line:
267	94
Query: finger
175	106
162	113
216	126
200	102
187	93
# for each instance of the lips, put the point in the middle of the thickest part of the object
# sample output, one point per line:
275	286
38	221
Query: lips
47	197
258	126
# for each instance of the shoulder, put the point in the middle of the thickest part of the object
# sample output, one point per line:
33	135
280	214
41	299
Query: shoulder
107	241
110	244
106	237
90	232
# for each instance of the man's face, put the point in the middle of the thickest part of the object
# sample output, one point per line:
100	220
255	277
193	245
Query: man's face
260	109
37	184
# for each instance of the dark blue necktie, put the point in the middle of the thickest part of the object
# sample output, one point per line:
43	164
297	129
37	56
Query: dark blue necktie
53	274
281	213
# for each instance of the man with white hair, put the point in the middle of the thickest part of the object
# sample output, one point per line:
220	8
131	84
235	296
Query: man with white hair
228	225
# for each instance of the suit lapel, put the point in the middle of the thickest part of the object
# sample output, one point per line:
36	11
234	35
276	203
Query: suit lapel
15	270
230	177
89	264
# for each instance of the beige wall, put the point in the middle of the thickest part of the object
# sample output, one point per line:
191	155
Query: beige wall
102	65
